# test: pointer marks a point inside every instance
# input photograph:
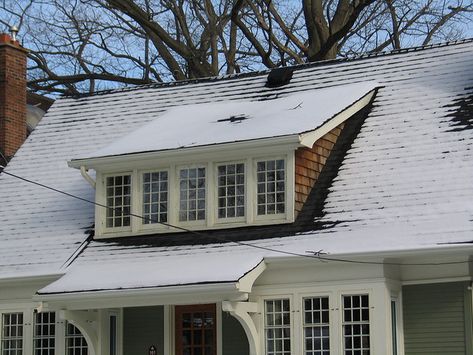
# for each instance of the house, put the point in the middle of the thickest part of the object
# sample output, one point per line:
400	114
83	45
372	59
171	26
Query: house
323	208
20	110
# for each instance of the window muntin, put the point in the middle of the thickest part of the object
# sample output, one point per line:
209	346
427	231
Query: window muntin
356	326
118	195
44	333
277	326
192	194
155	197
316	326
12	334
271	187
76	344
230	190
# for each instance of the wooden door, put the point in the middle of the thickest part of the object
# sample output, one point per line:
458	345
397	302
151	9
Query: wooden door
196	332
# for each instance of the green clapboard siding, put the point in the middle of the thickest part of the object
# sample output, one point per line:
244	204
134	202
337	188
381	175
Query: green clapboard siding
143	327
435	317
233	338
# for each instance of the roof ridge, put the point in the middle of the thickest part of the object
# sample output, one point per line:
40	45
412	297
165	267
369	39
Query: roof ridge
265	71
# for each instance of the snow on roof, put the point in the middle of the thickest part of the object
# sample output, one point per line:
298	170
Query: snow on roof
155	272
405	183
234	121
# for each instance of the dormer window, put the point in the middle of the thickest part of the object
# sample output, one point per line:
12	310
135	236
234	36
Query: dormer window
271	187
118	190
155	197
192	194
231	191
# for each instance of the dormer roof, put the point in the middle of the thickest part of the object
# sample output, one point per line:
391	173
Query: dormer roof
291	115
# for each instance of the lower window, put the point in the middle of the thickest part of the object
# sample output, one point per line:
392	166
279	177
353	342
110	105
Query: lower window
76	344
278	327
12	334
356	325
44	333
316	326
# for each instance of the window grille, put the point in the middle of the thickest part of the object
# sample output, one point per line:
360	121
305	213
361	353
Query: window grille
278	327
76	344
12	334
118	201
356	326
231	190
316	326
44	333
155	197
271	187
192	194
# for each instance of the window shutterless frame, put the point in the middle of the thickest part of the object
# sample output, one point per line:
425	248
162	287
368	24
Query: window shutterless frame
140	198
218	175
104	211
190	199
287	195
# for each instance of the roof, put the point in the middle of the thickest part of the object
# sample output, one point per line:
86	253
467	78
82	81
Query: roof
404	182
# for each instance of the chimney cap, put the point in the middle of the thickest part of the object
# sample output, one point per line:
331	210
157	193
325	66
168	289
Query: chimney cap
13	32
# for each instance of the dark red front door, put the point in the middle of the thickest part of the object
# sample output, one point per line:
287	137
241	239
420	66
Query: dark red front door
196	330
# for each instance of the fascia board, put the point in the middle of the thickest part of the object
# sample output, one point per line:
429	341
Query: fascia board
283	143
440	251
140	297
308	139
14	280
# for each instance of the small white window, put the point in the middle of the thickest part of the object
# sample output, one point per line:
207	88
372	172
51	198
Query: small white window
231	190
316	326
356	325
278	327
76	344
155	197
44	333
12	334
118	201
271	187
192	194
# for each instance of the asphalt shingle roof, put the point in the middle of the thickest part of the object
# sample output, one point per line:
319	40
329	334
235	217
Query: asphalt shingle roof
405	182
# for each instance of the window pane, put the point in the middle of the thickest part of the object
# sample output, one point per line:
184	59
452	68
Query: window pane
192	194
271	187
316	326
277	327
118	201
231	190
356	327
12	334
155	197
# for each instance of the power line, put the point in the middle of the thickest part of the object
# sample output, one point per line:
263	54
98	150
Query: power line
313	255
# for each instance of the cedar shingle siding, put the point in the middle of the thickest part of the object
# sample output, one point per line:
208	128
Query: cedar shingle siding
309	164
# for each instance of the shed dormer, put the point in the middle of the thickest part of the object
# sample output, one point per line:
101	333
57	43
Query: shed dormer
220	165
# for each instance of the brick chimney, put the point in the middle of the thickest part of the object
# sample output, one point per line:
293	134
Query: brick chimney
12	95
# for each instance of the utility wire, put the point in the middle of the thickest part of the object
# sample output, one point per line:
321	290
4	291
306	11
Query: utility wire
313	255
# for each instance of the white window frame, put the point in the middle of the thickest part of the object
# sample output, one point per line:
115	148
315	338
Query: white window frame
343	323
42	336
275	216
132	204
177	196
330	320
137	227
262	322
139	199
222	221
24	348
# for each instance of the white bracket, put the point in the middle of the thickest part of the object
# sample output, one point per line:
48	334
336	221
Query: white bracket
86	322
241	311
